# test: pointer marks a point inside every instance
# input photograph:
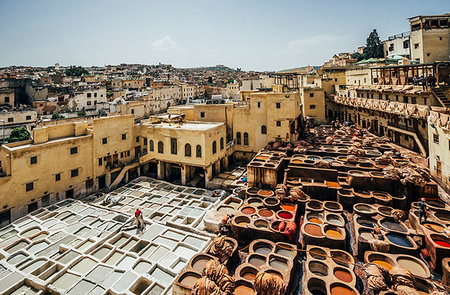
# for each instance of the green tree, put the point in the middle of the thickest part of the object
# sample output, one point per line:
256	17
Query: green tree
81	113
57	116
374	48
76	71
18	134
101	112
358	56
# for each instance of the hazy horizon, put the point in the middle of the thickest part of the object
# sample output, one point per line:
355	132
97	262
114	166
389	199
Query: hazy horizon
252	35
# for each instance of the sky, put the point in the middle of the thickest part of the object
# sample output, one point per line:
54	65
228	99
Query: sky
252	35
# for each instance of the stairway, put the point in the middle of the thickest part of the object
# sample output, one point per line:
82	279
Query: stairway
441	97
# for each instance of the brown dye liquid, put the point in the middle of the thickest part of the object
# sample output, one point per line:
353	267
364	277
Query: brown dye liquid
313	230
189	281
332	184
383	264
339	290
265	213
248	210
434	227
315	220
333	233
249	276
343	275
265	193
243	290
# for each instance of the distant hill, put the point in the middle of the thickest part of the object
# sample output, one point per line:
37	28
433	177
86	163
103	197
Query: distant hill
212	68
300	70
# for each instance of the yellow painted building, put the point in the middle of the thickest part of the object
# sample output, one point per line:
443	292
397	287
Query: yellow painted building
439	147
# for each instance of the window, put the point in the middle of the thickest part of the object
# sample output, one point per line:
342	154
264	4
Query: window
89	183
259	104
137	138
238	138
74	150
88	103
245	138
132	111
187	150
428	54
33	160
436	138
263	129
278	123
58	177
278	105
89	94
440	38
173	146
104	140
124	136
95	94
449	144
151	145
416	45
198	151
29	186
221	143
311	94
202	114
406	44
6	98
100	161
214	147
10	120
74	172
312	106
160	147
28	118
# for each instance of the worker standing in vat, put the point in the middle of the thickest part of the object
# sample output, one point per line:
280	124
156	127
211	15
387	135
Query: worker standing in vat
139	219
422	210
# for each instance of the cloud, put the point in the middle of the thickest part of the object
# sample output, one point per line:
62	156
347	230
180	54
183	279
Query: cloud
165	44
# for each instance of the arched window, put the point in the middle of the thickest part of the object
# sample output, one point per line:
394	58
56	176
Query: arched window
160	147
214	147
238	138
187	150
221	143
199	151
152	148
245	138
263	129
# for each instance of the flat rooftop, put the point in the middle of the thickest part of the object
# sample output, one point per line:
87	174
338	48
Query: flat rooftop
185	125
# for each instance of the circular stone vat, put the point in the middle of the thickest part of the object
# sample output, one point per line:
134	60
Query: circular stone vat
242	220
345	192
363	209
248	273
335	219
188	279
261	223
413	265
333	232
278	263
381	260
399	240
366	222
252	191
341	258
262	158
275	225
318	253
265	193
284	215
318	268
313	230
332	206
285	250
341	289
433	227
343	274
296	162
199	262
262	248
254	201
381	196
265	213
288	207
313	218
441	240
271	202
393	226
314	205
253	163
385	211
356	173
444	216
248	210
256	260
316	286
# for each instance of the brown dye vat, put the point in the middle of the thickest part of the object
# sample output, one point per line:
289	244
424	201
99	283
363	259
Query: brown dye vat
315	220
243	290
315	205
332	206
242	220
341	290
296	161
262	157
188	279
333	184
363	194
265	213
269	165
248	210
384	264
333	233
254	201
341	258
248	273
318	268
200	263
385	210
265	193
313	230
343	275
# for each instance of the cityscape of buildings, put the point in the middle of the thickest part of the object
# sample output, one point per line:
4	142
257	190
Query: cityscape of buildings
81	135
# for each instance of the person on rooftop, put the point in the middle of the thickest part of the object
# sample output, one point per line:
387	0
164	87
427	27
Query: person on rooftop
139	220
422	210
